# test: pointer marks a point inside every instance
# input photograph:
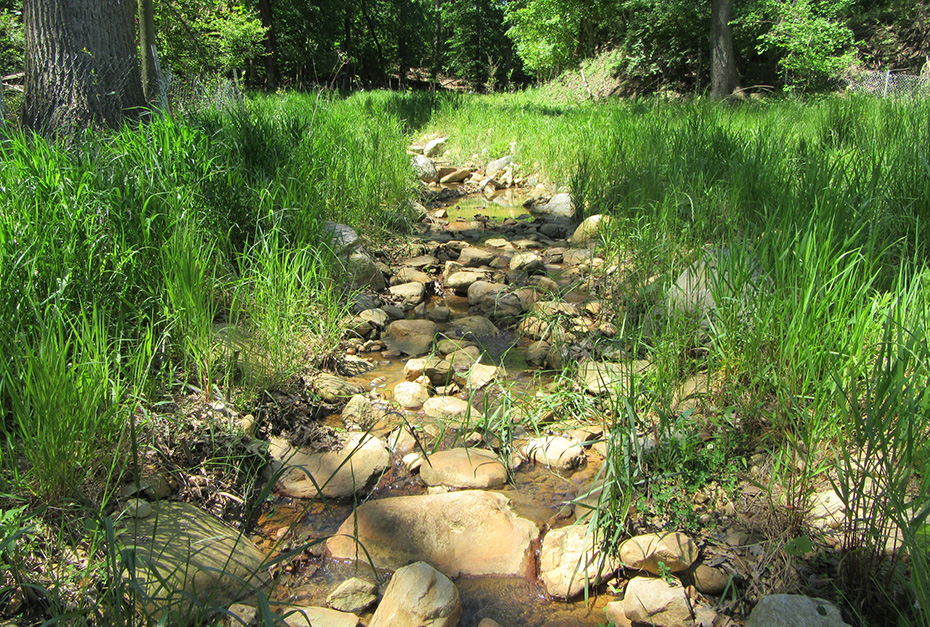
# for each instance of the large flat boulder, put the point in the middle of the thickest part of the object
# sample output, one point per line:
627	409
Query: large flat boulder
464	468
334	474
471	532
187	562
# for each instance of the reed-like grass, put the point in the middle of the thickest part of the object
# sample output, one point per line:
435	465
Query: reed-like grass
174	228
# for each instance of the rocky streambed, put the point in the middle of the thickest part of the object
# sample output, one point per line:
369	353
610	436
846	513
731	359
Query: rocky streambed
454	487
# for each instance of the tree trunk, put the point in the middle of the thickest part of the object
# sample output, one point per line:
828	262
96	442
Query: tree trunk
437	41
722	58
271	45
150	79
82	65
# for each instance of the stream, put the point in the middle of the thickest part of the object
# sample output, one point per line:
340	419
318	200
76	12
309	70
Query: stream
536	492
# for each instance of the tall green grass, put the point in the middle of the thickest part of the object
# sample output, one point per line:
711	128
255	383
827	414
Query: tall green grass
173	228
816	346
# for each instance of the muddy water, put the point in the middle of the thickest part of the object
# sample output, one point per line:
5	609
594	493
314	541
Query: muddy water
536	493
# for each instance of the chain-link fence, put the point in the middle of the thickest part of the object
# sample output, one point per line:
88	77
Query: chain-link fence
889	84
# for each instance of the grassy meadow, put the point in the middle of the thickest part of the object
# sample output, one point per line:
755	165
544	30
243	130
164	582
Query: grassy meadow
121	254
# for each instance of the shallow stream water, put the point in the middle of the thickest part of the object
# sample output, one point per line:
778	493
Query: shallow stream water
536	492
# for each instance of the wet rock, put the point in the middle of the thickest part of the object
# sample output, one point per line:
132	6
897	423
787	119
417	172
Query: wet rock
556	452
186	560
410	293
435	147
473	257
400	441
471	532
410	395
535	354
439	372
411	337
424	168
462	360
576	257
709	580
364	272
498	242
479	376
498	166
616	615
332	389
586	434
353	595
587	232
393	312
450	345
413	461
303	616
353	365
421	262
560	205
357	328
362	302
527	263
544	283
477	326
376	317
460	281
464	468
447	408
331	474
419	595
478	290
656	602
359	413
645	552
439	314
450	268
556	228
410	275
600	378
795	610
571	561
456	177
416	368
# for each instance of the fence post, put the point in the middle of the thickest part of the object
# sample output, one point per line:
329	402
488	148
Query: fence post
887	78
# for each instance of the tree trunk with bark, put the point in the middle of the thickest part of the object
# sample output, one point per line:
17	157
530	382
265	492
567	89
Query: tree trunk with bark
722	58
150	79
271	44
82	65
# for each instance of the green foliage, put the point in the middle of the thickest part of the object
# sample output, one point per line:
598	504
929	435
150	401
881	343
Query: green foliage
477	46
545	32
813	45
204	37
12	41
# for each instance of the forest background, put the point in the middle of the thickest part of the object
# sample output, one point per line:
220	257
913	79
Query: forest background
490	45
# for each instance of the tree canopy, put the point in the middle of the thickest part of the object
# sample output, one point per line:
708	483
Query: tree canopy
491	44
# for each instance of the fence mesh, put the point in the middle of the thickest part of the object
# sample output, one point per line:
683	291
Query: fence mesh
888	84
